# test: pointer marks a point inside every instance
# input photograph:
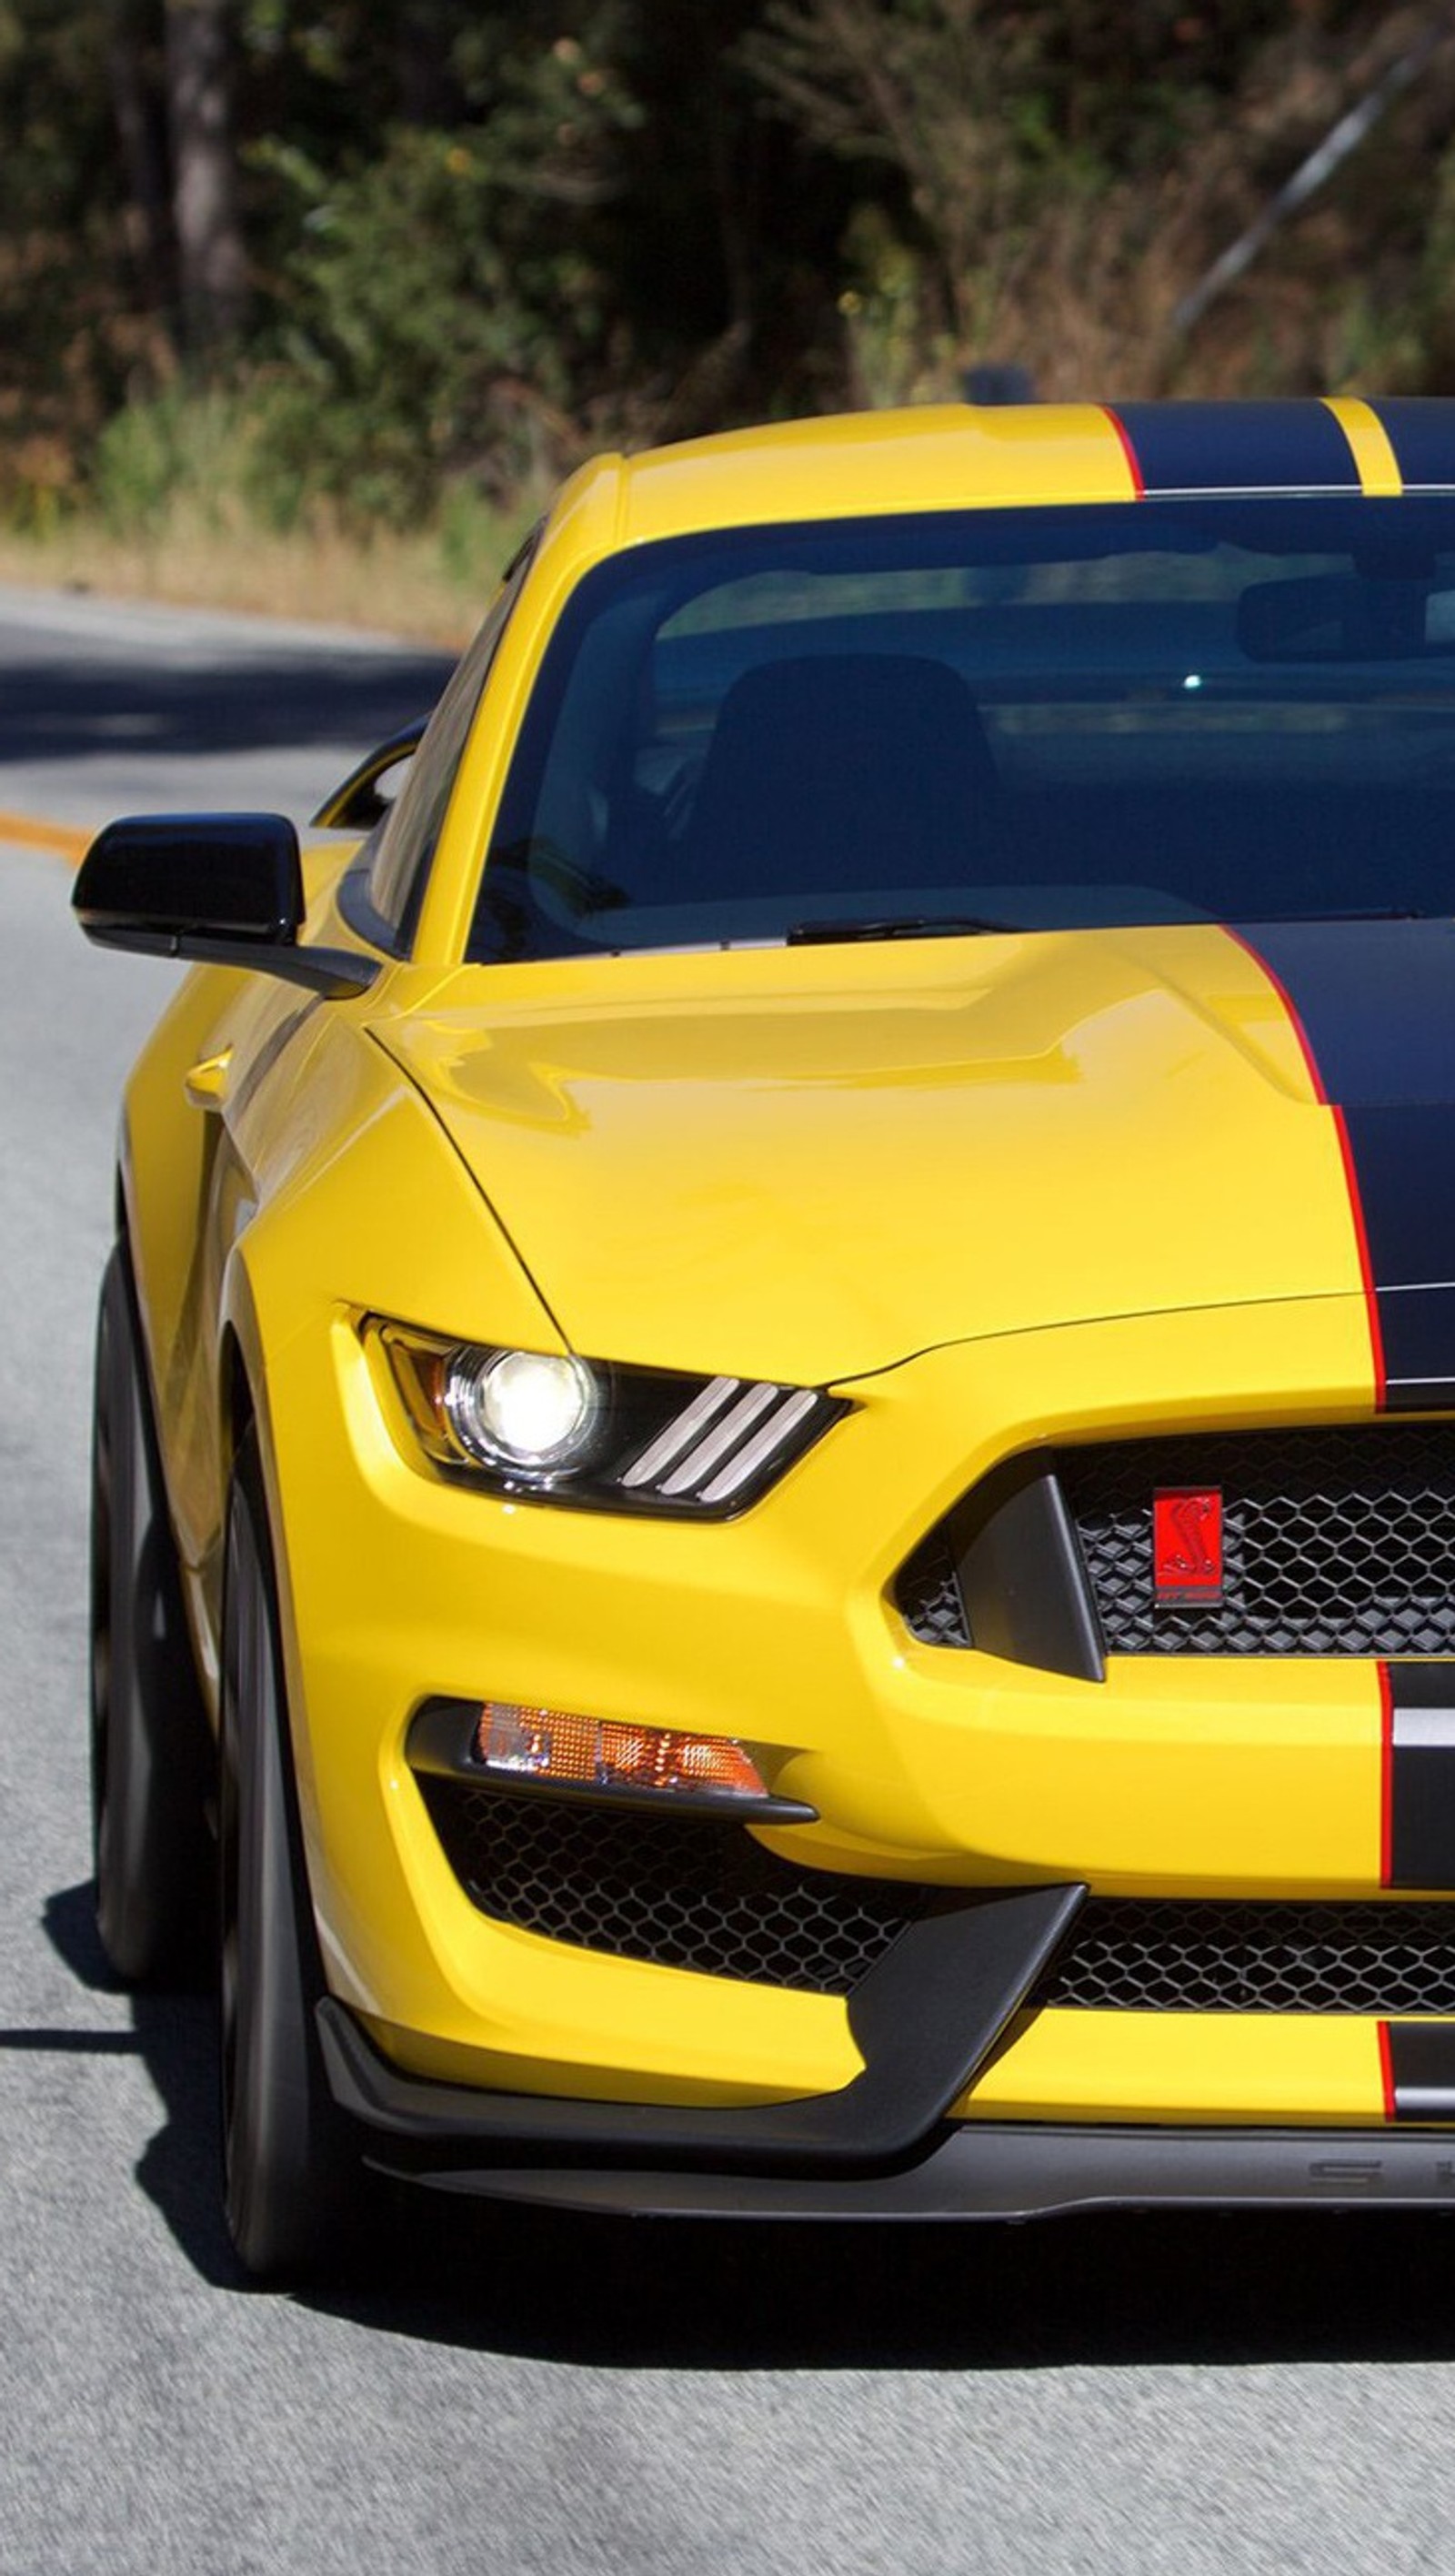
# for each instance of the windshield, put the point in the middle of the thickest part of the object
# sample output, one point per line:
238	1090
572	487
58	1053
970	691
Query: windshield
1053	718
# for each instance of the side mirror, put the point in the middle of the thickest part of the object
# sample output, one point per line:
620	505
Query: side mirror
360	802
225	889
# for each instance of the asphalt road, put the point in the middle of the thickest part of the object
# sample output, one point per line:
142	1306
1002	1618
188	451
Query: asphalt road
507	2394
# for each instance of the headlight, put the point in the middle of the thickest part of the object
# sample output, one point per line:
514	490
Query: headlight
589	1432
529	1409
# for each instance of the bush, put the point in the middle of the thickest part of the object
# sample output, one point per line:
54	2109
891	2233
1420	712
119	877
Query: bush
173	449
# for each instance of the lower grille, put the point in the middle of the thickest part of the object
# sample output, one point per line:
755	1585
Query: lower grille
1138	1954
675	1891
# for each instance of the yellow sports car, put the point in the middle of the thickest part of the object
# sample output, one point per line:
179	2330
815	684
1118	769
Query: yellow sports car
775	1421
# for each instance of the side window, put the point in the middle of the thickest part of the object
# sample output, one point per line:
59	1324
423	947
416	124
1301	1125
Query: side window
406	841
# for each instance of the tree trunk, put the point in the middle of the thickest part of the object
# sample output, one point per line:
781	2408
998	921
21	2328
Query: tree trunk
137	109
211	259
422	57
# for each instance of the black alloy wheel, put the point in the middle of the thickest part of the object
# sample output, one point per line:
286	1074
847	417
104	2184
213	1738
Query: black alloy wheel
293	2184
150	1844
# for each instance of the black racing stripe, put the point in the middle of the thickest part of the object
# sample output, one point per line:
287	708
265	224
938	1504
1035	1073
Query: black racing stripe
1404	1164
1377	1005
1422	2069
1239	447
1421	430
1417	1340
1421	1776
1377	1002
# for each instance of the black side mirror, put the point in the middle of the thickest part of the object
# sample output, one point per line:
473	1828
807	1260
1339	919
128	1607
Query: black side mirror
226	889
360	802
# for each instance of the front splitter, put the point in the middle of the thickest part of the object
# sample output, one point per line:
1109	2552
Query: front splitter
1008	2171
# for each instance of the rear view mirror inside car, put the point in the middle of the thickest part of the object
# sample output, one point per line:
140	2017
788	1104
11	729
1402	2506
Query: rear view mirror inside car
1338	617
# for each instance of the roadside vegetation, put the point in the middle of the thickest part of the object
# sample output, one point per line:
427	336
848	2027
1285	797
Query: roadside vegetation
305	303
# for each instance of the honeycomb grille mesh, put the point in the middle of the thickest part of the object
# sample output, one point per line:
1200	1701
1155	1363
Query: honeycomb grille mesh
1153	1955
928	1594
676	1891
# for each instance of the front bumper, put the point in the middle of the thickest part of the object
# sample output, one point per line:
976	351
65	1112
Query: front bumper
956	1769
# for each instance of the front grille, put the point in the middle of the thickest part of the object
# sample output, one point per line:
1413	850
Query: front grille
1139	1954
677	1891
1337	1540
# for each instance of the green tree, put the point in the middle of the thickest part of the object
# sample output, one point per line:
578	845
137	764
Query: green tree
447	298
949	97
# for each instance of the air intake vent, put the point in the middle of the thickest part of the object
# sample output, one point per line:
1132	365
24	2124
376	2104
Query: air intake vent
673	1890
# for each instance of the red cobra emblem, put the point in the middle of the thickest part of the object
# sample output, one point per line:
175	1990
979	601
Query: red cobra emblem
1187	1544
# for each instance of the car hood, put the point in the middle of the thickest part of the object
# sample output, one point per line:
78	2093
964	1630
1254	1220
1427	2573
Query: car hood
809	1163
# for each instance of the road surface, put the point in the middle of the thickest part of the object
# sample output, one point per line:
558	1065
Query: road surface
510	2395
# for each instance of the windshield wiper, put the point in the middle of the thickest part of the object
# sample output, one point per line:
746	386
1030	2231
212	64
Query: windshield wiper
909	925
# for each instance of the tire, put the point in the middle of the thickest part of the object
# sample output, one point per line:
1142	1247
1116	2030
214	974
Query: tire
150	1844
292	2182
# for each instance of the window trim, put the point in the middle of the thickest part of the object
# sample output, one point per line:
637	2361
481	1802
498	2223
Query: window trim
355	890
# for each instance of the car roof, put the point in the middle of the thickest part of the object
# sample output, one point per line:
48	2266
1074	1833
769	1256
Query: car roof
960	456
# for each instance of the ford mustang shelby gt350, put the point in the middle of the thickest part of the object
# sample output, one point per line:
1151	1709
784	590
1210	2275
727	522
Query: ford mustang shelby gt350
775	1422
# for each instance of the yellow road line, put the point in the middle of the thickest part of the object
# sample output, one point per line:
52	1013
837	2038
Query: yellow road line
33	834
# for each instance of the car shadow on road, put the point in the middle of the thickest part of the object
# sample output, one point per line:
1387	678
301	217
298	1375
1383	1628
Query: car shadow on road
1114	2291
175	2038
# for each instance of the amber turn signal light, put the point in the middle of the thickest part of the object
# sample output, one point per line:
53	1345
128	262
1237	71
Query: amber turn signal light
552	1745
527	1750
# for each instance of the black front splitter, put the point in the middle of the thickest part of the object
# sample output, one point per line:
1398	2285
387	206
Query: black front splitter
1017	2170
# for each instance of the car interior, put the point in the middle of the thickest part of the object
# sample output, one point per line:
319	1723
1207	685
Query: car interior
1058	755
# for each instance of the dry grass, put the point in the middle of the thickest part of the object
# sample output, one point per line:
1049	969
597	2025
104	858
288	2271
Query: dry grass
398	585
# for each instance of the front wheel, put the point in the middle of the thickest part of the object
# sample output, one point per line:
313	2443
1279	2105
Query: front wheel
291	2181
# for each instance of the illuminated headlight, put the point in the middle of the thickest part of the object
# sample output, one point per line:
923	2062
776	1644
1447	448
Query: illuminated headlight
529	1409
592	1433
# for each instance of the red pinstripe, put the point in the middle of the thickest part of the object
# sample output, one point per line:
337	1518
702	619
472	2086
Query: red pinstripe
1128	451
1386	2070
1366	1266
1386	1777
1346	1157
